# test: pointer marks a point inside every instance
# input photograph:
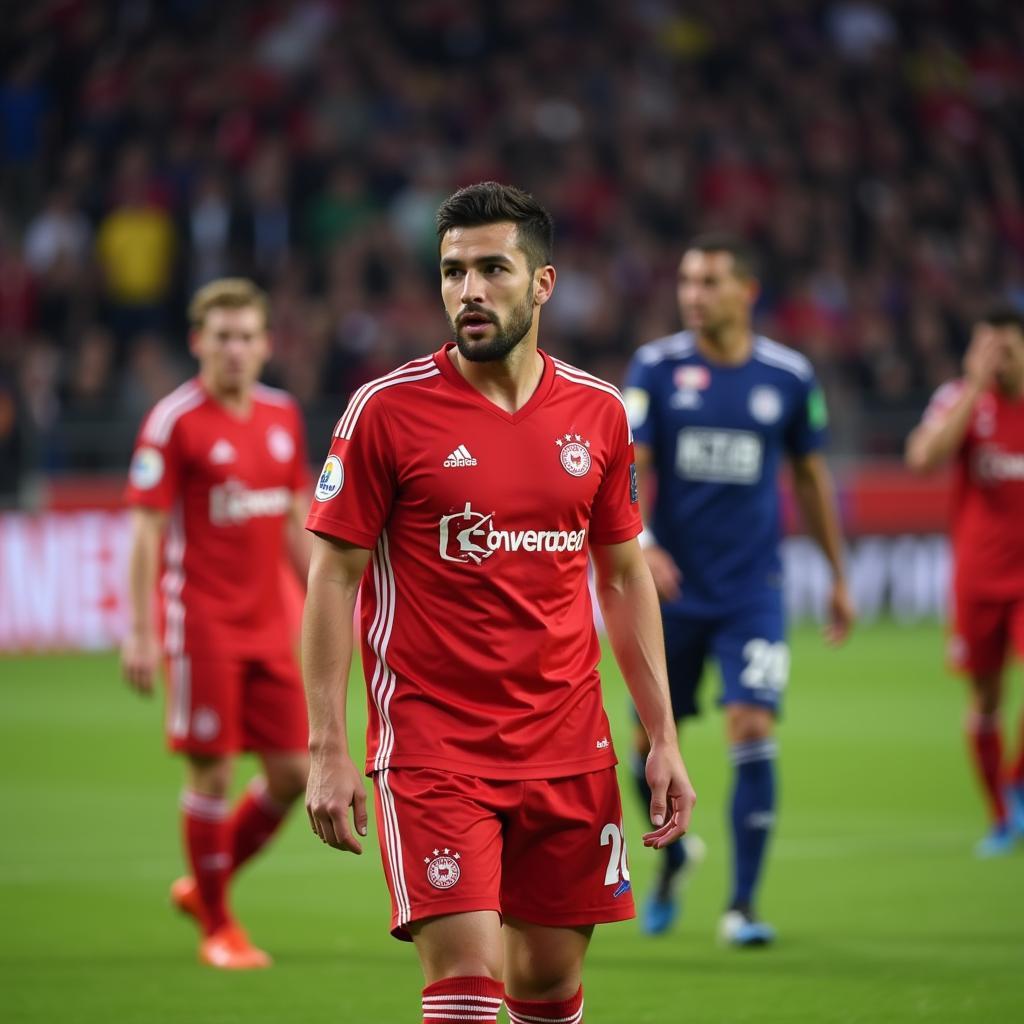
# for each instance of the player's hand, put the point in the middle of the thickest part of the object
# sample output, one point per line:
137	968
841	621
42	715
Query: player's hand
334	787
841	615
672	795
140	656
981	361
666	574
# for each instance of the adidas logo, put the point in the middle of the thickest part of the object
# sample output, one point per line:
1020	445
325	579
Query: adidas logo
459	457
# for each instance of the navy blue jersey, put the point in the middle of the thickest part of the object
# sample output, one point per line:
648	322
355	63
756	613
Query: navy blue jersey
718	436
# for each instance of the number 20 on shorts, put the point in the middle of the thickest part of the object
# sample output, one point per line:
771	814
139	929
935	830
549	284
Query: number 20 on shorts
618	869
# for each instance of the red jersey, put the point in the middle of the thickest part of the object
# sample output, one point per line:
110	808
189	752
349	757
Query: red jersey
229	484
478	638
988	494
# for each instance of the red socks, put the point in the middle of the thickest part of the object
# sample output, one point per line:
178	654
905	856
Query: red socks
257	817
476	999
987	751
218	843
208	843
1017	771
528	1011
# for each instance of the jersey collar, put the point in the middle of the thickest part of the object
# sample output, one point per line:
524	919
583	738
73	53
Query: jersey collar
448	371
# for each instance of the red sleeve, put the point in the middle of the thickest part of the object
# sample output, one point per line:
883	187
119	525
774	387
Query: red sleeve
356	487
616	512
154	479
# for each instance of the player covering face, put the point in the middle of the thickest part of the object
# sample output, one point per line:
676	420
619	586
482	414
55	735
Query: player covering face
461	498
977	423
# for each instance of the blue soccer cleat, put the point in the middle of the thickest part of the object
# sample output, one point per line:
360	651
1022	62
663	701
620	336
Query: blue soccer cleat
664	905
997	843
739	929
1015	798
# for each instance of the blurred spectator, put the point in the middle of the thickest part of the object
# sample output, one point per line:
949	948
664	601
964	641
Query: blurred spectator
58	243
207	231
870	149
135	245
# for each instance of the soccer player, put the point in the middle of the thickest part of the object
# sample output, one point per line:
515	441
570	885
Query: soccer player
461	498
977	422
716	409
219	487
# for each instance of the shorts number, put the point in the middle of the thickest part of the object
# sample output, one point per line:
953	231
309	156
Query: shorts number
767	665
617	866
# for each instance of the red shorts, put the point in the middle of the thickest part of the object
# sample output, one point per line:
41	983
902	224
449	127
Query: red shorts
983	632
547	851
227	705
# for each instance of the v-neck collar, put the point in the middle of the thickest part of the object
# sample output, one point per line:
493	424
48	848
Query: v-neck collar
452	375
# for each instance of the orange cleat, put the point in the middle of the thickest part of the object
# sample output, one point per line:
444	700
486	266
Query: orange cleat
229	948
186	898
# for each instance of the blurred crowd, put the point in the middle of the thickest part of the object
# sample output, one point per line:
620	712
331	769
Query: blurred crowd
872	150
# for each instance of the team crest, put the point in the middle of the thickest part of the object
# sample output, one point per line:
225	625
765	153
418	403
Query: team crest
765	404
443	869
280	444
574	454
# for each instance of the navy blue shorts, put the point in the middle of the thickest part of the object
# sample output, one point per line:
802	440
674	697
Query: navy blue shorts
749	645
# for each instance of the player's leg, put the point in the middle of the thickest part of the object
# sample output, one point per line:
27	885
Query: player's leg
752	749
544	972
985	742
1016	781
440	839
978	648
461	958
275	727
564	869
204	722
207	831
754	660
686	648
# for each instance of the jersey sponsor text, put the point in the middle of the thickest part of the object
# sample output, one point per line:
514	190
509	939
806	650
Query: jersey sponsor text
719	456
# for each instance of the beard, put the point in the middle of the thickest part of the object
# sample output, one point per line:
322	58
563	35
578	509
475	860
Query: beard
506	336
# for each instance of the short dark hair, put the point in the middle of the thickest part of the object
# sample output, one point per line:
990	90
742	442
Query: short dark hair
1004	315
744	257
489	202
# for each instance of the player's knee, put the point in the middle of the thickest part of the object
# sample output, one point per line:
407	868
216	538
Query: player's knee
287	782
986	694
209	776
547	982
457	961
746	723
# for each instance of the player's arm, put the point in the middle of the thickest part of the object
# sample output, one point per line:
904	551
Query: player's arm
298	540
938	437
816	496
335	784
664	570
140	650
629	602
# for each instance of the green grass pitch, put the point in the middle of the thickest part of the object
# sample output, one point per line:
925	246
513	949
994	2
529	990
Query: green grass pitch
884	914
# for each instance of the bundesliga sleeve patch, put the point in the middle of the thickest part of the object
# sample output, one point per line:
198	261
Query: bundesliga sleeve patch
147	469
637	402
817	410
634	490
332	479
